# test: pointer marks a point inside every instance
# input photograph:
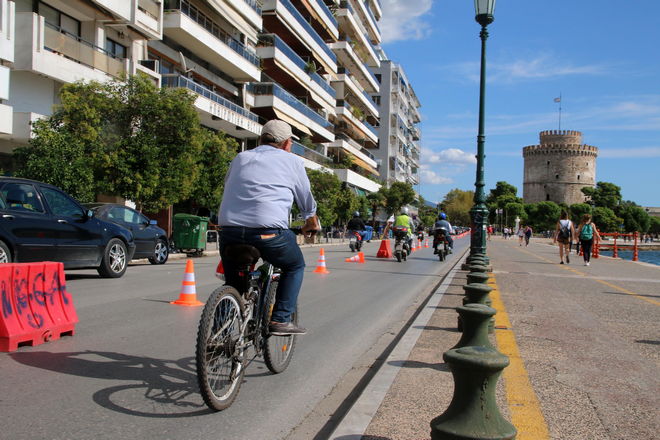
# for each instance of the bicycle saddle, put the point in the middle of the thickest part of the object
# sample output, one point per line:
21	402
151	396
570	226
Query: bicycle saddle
242	254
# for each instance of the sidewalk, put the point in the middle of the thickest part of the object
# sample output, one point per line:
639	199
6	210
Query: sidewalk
588	339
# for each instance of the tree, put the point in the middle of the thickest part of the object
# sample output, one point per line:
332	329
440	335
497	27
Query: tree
604	195
376	200
457	204
398	195
545	216
347	204
363	207
499	197
218	151
578	210
515	209
654	225
606	220
325	188
635	218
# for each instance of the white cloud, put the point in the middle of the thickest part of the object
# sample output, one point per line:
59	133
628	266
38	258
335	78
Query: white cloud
428	177
402	20
450	156
629	152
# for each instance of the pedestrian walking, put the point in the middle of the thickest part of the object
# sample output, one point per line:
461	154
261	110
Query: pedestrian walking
521	234
563	234
505	232
586	234
489	232
528	234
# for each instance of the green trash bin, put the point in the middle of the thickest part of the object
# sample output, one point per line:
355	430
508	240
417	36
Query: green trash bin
189	233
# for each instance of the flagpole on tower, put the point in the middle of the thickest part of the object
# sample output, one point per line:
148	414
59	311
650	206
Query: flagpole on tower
559	101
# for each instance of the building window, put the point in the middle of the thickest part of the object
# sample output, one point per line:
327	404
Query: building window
548	162
378	77
578	177
557	176
376	100
63	21
547	196
115	48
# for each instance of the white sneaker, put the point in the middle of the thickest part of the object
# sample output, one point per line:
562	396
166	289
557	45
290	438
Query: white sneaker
586	264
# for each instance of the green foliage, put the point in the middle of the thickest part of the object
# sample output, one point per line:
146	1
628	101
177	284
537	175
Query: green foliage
578	210
376	200
347	203
635	218
428	219
398	195
605	195
218	150
499	197
325	189
457	204
654	225
515	209
606	220
363	207
544	216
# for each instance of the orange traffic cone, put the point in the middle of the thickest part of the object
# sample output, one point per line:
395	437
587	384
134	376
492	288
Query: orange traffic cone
320	268
220	271
359	258
419	244
361	255
385	250
426	243
188	295
413	249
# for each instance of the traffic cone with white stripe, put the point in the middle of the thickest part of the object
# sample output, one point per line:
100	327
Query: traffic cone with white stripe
188	295
320	267
426	243
359	258
220	271
419	244
412	247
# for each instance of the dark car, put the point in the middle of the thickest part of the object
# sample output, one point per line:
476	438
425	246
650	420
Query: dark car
150	240
40	222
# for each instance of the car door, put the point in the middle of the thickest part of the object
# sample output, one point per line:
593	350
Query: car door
24	220
79	239
145	240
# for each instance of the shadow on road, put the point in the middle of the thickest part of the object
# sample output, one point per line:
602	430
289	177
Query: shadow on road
165	388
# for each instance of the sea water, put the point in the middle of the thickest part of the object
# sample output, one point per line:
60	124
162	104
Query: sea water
652	257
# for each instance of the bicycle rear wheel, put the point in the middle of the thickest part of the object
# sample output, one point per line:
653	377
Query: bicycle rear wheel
278	349
220	364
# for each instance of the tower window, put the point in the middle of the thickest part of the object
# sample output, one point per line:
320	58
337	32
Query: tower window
557	176
548	162
547	196
578	177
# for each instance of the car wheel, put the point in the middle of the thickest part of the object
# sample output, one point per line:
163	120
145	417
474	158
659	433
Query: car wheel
113	264
160	253
5	253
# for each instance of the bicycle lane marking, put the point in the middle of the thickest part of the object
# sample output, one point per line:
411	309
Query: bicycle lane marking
657	303
526	414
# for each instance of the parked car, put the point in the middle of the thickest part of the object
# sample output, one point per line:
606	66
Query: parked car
40	222
150	240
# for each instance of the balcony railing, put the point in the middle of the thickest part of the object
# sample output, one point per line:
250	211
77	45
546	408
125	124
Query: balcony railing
59	41
211	27
346	5
149	64
273	89
312	155
370	128
177	81
366	6
355	144
308	27
286	50
327	12
254	5
149	7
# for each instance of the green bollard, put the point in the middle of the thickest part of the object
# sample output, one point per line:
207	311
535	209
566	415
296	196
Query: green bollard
477	278
475	319
473	413
477	293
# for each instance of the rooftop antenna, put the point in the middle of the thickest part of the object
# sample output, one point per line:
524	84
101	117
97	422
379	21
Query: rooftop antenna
182	63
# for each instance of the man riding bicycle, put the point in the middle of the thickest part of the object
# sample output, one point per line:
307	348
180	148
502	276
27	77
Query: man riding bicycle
260	188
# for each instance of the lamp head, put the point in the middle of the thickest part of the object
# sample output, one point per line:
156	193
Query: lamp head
484	10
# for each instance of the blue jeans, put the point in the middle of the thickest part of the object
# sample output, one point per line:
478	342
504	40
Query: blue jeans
282	251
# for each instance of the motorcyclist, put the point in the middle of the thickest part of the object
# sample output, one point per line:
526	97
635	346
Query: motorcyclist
405	220
356	224
443	223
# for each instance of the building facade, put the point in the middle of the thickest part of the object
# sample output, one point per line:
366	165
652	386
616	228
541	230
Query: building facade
558	168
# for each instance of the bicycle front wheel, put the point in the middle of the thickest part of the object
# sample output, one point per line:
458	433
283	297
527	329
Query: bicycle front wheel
220	361
278	349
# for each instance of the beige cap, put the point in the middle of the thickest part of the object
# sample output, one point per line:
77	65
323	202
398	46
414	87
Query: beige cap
280	130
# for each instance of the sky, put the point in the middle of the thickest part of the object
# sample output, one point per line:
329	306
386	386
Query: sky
602	57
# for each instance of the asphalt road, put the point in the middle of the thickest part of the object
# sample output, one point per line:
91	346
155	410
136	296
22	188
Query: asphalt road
129	370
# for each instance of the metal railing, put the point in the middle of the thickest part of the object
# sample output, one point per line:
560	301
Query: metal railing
327	12
175	80
286	50
254	5
308	27
277	90
149	64
370	128
310	154
212	27
150	8
366	6
59	41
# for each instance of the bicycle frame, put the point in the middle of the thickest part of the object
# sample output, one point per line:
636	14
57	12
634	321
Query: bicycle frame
259	282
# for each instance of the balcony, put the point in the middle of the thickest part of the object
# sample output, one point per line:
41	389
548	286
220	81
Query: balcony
354	179
370	21
151	69
361	156
376	8
191	28
6	112
216	112
356	32
250	10
294	22
346	85
355	65
361	127
287	107
329	21
52	52
309	154
7	30
148	18
285	62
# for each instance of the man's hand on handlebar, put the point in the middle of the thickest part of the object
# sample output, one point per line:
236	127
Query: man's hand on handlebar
311	226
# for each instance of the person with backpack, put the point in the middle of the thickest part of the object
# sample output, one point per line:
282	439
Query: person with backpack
586	233
563	234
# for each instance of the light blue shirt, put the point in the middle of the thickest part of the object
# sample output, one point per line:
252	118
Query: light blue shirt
260	188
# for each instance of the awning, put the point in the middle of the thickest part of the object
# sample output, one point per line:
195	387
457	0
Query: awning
299	125
359	162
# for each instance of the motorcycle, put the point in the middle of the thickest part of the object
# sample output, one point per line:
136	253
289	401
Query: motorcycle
441	238
420	236
355	241
401	243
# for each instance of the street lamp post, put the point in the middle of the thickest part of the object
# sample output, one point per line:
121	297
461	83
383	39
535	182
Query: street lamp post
479	212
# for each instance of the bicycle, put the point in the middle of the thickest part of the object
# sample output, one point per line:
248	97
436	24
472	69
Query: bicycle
232	322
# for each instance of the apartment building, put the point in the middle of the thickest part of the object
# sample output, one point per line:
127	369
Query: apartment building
398	132
7	37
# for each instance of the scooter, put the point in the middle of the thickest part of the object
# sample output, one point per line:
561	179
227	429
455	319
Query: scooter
441	241
420	236
355	241
401	243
